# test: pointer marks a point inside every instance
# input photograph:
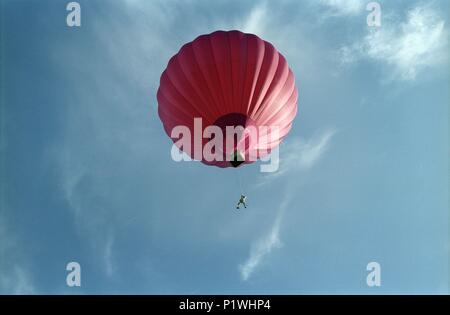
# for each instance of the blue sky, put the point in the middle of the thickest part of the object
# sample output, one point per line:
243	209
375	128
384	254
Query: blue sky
87	174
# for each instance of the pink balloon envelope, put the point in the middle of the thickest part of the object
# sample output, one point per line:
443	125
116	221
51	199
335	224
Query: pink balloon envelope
229	78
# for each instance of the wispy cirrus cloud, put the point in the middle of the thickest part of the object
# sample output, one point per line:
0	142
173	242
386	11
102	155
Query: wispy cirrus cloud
14	278
109	256
109	115
16	281
300	154
264	246
255	21
406	47
341	7
303	154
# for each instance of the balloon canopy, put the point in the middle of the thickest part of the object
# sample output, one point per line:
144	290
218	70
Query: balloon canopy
228	79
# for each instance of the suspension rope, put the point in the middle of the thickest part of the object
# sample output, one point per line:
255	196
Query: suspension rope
238	176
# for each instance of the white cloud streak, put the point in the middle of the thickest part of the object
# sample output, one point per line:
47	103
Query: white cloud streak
264	246
303	155
341	7
108	114
14	278
255	22
17	281
407	48
300	155
109	256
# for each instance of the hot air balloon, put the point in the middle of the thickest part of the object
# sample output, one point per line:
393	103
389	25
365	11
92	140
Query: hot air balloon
228	79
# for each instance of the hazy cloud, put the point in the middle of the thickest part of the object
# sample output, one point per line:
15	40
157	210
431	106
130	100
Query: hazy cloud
108	127
300	155
264	246
342	7
108	256
255	21
16	281
406	47
14	278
